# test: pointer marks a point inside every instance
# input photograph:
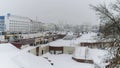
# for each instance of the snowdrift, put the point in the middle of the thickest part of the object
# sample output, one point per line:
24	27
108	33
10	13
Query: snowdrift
98	56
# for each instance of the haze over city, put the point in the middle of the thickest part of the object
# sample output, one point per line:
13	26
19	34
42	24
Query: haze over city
60	33
53	11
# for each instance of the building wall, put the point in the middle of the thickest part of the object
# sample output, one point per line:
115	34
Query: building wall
45	49
17	23
2	38
35	26
2	23
42	50
14	23
33	51
69	50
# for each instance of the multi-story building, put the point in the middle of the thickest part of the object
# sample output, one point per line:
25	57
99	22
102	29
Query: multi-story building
35	26
2	25
18	24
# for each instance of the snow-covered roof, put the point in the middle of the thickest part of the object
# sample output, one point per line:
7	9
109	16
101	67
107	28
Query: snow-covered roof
61	42
89	37
70	37
7	47
7	51
11	57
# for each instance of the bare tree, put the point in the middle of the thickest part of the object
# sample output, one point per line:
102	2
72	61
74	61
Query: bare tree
110	28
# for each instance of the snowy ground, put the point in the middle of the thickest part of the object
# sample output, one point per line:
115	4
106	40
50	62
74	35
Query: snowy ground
65	61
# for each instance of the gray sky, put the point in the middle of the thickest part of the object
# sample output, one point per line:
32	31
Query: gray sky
53	11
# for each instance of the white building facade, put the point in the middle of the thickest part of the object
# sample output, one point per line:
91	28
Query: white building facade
20	24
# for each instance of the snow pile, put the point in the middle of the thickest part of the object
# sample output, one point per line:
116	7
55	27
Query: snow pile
97	55
11	57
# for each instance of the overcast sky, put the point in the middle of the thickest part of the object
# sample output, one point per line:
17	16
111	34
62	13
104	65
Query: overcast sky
53	11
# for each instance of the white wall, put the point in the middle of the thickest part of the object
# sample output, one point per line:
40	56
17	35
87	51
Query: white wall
69	50
2	38
21	24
